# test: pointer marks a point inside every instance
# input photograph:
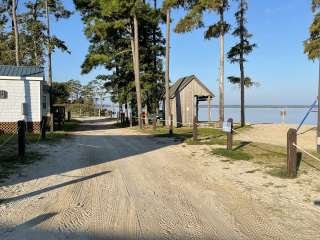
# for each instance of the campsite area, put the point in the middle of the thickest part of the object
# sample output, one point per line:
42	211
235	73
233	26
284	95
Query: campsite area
159	119
106	182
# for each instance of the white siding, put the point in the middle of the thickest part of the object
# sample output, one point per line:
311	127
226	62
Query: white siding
20	91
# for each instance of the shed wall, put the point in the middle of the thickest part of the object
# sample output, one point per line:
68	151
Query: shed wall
183	108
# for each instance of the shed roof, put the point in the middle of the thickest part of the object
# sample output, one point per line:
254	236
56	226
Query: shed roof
21	71
181	83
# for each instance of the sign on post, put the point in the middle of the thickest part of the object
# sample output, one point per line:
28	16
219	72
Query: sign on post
226	127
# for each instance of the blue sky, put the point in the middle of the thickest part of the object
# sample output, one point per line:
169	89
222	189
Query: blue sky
285	74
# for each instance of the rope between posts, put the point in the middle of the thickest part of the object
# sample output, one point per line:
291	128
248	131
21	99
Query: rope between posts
303	150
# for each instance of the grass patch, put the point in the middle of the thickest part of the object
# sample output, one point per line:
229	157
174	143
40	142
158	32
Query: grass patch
280	172
206	136
54	137
233	155
271	157
71	125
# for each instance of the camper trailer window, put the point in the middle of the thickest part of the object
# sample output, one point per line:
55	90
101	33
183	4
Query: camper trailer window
3	94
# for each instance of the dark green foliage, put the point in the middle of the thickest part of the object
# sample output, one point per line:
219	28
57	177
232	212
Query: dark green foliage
238	53
60	92
194	17
33	39
312	45
241	49
247	81
108	26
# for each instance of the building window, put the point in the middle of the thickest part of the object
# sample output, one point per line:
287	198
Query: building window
3	94
44	102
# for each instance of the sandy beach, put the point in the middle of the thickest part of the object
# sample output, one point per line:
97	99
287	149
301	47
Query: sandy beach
276	134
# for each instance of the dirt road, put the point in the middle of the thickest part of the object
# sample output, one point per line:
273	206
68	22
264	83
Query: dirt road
119	184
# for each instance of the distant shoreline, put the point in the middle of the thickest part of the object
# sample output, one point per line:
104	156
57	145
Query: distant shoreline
260	106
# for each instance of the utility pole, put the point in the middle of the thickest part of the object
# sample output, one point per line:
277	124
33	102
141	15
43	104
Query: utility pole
49	65
16	31
318	128
221	80
137	67
167	73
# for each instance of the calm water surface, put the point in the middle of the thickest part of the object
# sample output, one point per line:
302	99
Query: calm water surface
262	115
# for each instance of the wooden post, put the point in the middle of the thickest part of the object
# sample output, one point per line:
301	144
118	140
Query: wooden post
123	120
292	152
209	110
59	122
195	129
146	117
230	135
154	122
69	115
21	138
131	120
141	121
196	106
43	127
171	124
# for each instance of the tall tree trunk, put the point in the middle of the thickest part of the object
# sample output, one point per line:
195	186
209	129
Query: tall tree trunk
154	40
318	124
137	68
167	74
49	64
16	31
34	39
242	77
221	81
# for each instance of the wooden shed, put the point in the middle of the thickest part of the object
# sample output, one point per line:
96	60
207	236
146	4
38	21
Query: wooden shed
185	96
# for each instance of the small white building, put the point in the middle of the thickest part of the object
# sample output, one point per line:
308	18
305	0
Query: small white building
24	95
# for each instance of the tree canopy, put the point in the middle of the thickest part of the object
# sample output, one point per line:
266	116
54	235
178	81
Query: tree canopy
32	31
108	27
312	45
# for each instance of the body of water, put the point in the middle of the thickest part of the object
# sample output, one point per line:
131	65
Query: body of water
262	115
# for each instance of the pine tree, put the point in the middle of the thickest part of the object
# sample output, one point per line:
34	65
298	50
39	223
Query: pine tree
14	8
110	29
32	31
35	29
4	36
238	53
312	49
194	20
312	45
166	8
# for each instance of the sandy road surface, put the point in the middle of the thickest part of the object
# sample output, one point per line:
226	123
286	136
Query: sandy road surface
118	184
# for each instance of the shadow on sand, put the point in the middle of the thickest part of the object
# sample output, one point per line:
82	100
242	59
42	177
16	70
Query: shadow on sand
47	189
85	149
31	231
